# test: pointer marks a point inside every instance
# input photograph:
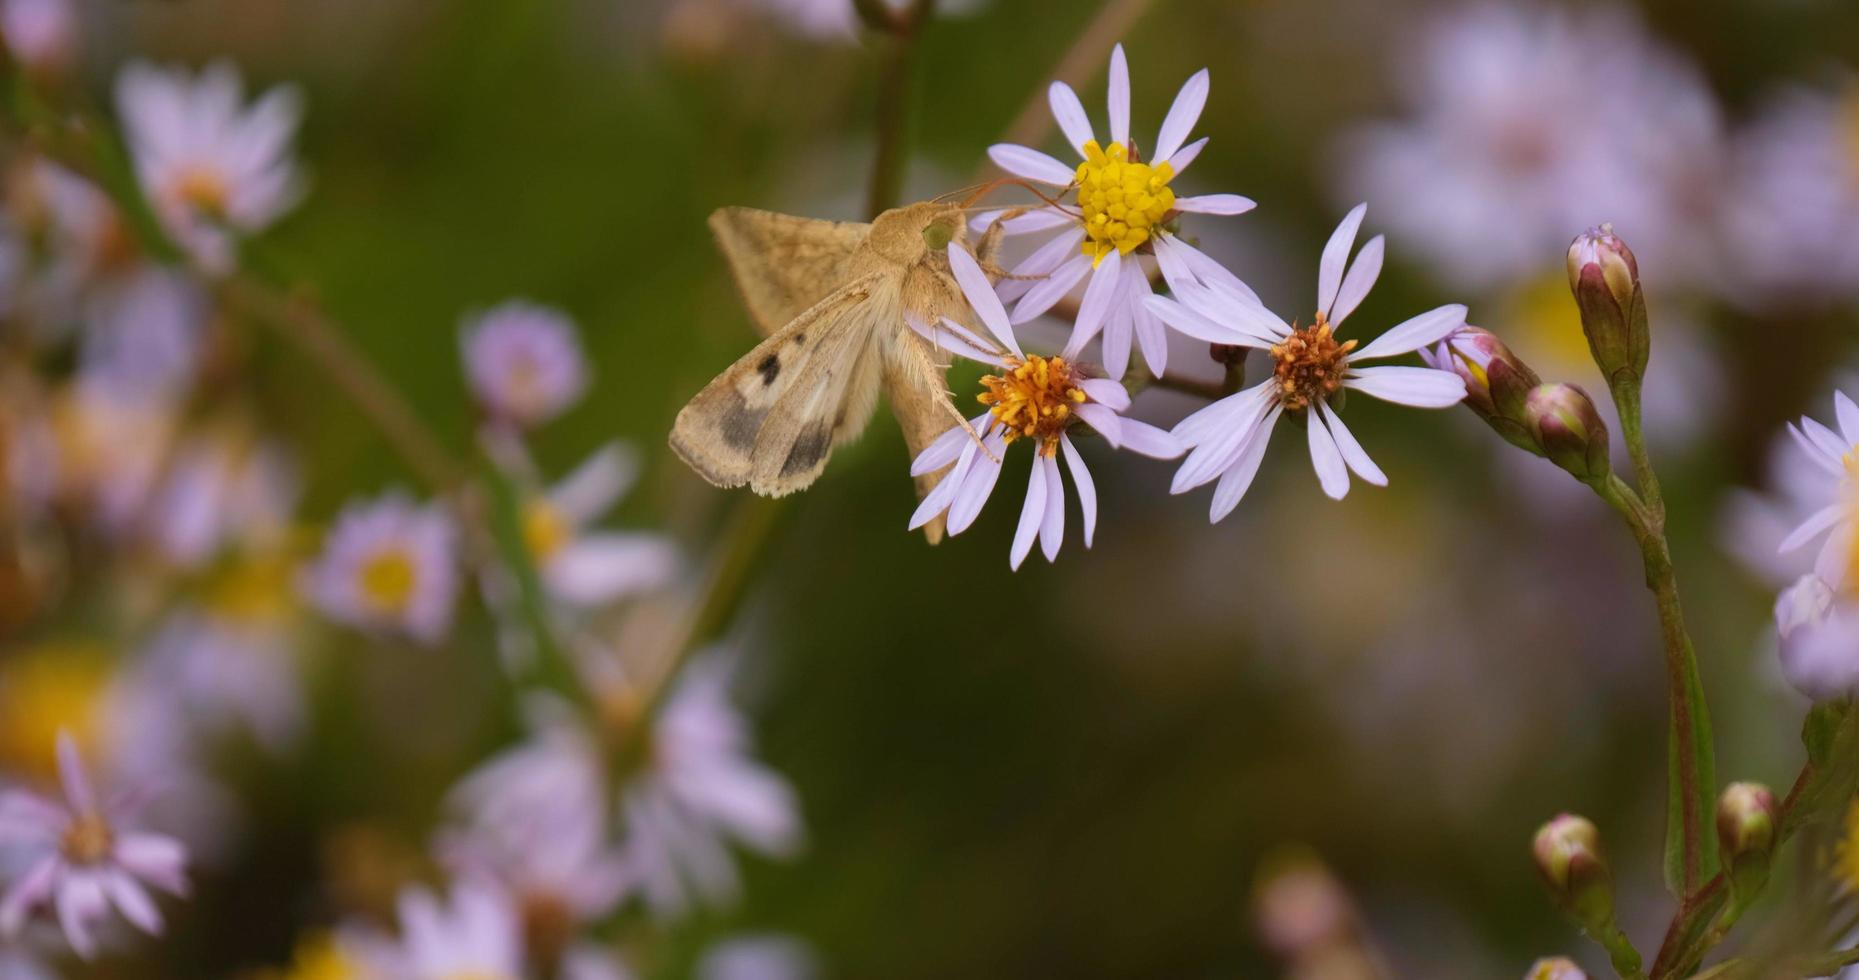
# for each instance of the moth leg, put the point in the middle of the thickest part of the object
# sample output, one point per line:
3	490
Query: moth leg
928	374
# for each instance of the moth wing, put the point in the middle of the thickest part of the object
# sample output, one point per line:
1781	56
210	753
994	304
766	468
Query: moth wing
771	420
784	264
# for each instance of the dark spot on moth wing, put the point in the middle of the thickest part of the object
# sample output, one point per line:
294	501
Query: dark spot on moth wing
770	368
809	450
740	424
800	338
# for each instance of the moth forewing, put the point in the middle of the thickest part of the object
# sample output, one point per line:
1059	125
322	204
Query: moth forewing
784	264
772	418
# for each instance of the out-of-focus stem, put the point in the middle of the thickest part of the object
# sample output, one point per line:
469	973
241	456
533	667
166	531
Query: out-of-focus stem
332	351
1086	56
894	94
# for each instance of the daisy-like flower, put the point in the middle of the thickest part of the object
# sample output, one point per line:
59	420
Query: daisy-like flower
1531	119
477	935
1310	367
524	363
701	789
84	858
211	167
41	34
223	488
387	566
1819	630
1835	455
1125	207
1792	215
581	567
1036	399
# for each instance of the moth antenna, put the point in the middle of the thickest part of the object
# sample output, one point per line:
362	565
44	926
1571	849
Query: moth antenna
999	182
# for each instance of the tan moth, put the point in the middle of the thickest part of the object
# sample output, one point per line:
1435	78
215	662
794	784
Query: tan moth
832	298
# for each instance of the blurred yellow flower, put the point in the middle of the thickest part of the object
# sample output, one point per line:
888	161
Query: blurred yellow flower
52	687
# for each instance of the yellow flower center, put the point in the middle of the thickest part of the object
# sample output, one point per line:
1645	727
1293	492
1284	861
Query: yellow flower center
203	189
1309	365
87	840
254	590
386	580
545	530
319	959
57	687
1122	200
1034	399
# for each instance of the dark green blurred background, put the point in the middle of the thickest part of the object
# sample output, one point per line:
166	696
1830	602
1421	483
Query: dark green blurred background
1073	770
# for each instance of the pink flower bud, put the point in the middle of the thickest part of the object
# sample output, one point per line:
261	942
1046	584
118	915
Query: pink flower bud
1568	853
1605	278
1565	423
1497	381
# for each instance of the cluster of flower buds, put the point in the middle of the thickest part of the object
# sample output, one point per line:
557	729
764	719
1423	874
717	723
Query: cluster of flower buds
1606	281
1555	420
1746	824
1559	420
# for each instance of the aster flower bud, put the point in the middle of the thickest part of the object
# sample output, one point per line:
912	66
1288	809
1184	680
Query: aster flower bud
1564	422
1605	279
1746	815
1497	381
1568	853
1555	968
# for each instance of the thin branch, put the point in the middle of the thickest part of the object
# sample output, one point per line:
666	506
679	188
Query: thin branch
1081	62
326	344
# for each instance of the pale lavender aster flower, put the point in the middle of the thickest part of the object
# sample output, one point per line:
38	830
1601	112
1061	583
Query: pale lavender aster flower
477	935
223	489
1835	455
211	166
1792	214
21	964
553	779
40	34
1034	398
1310	367
523	362
1532	119
1123	209
758	957
1819	630
583	567
85	859
700	790
387	566
231	657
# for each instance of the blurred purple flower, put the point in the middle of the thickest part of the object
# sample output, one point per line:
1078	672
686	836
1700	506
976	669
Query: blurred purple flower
83	859
523	362
210	166
387	566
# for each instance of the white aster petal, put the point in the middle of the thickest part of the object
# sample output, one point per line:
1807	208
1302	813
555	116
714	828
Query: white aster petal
1326	460
1032	513
1024	161
1119	96
1182	115
1070	115
1215	204
1419	387
1361	278
1087	489
1352	451
1052	528
1336	258
1053	288
1411	335
980	295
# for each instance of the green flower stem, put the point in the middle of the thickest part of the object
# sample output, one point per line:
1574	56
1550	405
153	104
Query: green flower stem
1690	852
894	110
